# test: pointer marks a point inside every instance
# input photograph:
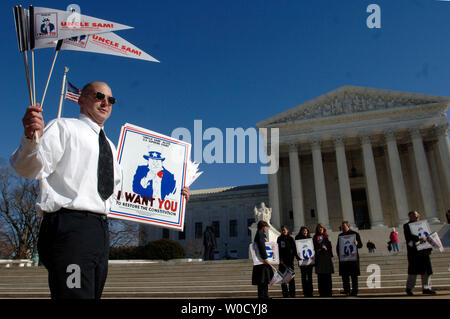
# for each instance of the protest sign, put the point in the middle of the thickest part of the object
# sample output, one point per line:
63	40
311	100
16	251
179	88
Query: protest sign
306	252
435	241
154	172
272	254
288	275
277	278
347	248
421	229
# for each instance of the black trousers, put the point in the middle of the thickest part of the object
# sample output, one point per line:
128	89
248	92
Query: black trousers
307	280
74	247
324	283
209	253
346	284
263	291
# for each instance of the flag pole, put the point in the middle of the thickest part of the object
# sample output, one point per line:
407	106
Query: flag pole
61	98
31	35
58	47
22	41
33	77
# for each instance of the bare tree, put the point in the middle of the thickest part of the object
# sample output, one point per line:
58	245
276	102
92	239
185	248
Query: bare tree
123	233
18	212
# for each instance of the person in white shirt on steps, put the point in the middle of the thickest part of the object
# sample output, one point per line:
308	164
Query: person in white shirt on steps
77	171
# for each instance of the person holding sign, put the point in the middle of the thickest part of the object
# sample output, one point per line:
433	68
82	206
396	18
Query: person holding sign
287	251
306	270
77	172
262	274
324	263
347	247
418	260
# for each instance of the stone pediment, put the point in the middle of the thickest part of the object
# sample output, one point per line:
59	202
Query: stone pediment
350	100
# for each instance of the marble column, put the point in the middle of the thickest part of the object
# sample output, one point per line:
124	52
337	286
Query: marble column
423	174
344	182
444	152
319	184
373	193
296	189
274	198
401	201
432	153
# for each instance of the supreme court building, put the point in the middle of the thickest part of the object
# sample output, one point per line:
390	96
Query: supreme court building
368	156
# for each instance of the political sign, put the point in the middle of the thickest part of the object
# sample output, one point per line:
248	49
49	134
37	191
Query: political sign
288	275
272	253
154	172
51	25
277	278
435	241
306	252
421	229
347	248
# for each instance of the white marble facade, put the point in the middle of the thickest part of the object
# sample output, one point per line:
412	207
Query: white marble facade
363	155
368	156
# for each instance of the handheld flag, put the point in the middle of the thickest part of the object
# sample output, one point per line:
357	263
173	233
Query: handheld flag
72	93
51	25
106	43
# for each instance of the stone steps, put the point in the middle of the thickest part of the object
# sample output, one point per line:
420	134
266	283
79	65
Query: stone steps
216	279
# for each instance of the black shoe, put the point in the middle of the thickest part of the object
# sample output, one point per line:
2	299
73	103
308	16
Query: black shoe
409	292
428	292
354	293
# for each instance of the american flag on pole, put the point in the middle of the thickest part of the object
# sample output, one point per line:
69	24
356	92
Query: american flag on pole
72	93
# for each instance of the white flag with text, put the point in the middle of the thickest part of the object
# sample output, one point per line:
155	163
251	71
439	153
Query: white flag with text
51	25
106	43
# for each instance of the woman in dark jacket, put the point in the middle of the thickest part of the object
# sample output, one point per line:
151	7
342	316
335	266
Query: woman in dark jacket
418	260
262	274
287	251
324	264
349	269
307	281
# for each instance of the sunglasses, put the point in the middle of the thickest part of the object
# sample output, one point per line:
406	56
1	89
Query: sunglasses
100	96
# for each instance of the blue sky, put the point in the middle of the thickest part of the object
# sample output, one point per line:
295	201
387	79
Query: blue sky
234	63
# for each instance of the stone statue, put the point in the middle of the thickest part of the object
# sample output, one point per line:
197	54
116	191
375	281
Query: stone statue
264	213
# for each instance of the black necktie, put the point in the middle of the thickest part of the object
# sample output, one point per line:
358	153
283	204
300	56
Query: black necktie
105	169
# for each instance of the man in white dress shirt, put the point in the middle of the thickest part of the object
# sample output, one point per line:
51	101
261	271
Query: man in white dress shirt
75	197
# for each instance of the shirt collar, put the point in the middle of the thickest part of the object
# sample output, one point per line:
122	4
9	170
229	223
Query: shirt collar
86	119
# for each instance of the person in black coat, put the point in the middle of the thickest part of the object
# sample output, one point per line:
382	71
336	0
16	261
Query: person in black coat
209	242
418	260
324	264
307	281
287	251
349	269
262	274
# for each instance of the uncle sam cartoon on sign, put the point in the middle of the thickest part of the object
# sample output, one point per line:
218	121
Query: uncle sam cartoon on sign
421	229
347	248
155	168
305	250
153	179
